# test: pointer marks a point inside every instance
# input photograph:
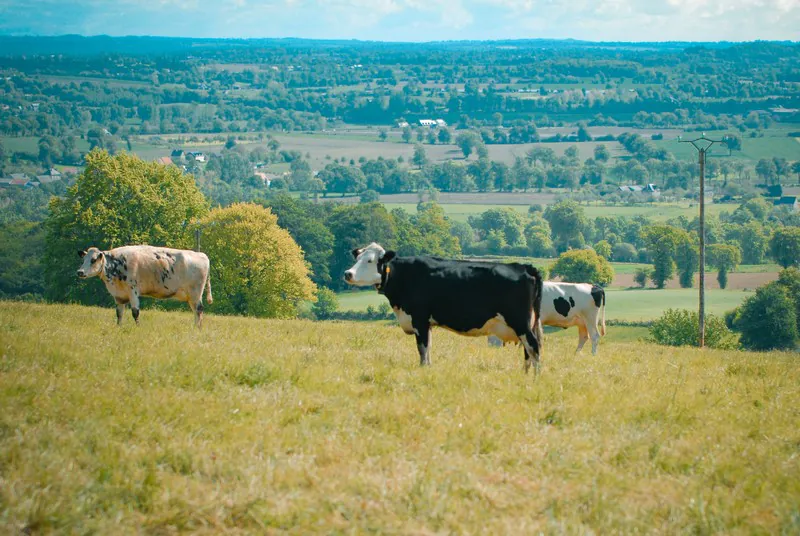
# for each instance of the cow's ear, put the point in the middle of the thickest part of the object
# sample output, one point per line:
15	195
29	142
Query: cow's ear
388	256
356	252
81	253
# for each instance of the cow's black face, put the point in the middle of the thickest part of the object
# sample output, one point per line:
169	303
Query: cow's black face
93	261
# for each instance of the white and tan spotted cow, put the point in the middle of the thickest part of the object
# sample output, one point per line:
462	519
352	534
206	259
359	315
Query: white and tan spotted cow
130	272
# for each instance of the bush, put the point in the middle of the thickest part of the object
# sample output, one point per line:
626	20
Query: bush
641	276
679	327
603	248
583	266
326	305
767	320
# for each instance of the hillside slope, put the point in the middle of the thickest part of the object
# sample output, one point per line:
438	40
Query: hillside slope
253	425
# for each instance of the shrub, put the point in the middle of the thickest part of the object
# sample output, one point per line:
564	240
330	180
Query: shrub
624	252
641	276
583	266
768	319
679	327
326	305
603	248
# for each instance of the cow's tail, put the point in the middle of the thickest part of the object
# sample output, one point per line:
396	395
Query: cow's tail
603	315
209	297
537	302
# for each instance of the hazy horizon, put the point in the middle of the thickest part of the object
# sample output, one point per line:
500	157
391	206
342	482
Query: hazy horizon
413	21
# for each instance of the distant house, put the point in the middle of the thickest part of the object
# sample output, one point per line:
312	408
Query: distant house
165	160
177	153
21	182
427	122
5	183
648	189
792	201
402	124
197	156
441	123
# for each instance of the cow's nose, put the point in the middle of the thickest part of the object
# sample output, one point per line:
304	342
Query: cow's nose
80	273
348	276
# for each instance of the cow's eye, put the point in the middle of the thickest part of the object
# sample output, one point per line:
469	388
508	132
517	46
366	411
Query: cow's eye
370	261
96	259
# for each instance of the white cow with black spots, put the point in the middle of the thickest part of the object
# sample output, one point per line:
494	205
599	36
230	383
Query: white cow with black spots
573	304
130	272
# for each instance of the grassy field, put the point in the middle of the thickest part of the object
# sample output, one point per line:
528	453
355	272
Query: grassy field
255	426
633	305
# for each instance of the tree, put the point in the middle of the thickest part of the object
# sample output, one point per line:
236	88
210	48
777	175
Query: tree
641	276
569	224
427	232
369	196
785	246
603	248
583	266
753	242
506	221
687	257
601	153
230	143
305	221
21	248
326	305
767	320
624	252
116	201
789	279
466	141
537	237
766	170
661	241
382	134
724	257
420	158
583	132
733	143
407	134
545	155
343	179
300	173
444	136
257	268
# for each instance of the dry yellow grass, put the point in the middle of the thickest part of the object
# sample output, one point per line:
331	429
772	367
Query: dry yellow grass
254	426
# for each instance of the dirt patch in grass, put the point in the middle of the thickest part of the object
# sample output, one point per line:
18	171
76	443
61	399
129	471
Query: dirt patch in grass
736	281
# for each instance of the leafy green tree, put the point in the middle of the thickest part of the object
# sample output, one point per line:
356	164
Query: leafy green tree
545	155
300	173
343	179
624	252
601	153
569	224
785	246
382	134
467	141
753	242
116	201
326	305
687	257
21	250
464	233
603	248
305	221
537	237
724	257
767	320
733	143
407	134
662	241
444	136
257	268
583	266
789	279
766	171
641	276
425	233
420	158
506	221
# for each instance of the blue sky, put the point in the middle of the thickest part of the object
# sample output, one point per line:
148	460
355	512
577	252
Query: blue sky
412	20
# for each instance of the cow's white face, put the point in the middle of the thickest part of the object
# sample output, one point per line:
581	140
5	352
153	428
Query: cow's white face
93	263
366	270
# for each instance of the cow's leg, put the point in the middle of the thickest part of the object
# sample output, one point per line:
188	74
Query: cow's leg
531	346
135	306
120	309
595	335
198	314
583	336
422	331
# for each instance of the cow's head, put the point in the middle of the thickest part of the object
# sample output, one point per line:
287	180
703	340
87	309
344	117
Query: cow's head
93	263
370	266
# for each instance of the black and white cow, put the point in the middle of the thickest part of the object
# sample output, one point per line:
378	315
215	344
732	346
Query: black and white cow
470	298
133	271
575	304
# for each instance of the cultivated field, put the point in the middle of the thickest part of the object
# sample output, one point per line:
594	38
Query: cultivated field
291	426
